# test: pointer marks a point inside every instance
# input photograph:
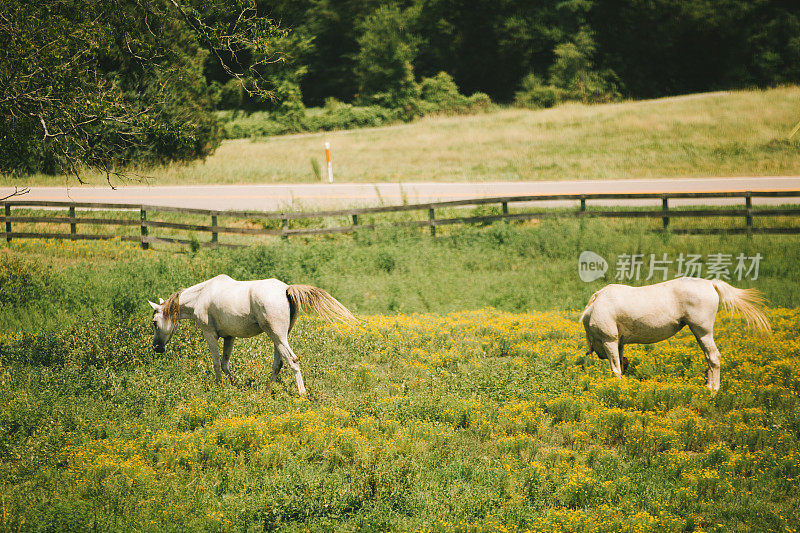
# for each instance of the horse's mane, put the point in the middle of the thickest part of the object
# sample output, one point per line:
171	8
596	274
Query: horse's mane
171	309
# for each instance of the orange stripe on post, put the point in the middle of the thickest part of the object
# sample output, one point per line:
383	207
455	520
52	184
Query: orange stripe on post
328	161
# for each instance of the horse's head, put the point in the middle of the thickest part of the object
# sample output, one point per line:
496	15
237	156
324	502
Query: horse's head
165	321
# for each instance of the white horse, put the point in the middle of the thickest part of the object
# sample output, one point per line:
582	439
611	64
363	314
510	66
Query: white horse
618	314
224	307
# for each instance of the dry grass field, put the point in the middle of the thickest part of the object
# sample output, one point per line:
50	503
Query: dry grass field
742	133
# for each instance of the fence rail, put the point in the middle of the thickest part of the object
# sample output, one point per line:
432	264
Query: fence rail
665	213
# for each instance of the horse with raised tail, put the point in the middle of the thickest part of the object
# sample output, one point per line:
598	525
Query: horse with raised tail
225	308
617	315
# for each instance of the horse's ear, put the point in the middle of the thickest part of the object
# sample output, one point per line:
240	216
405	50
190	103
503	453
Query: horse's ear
154	305
161	301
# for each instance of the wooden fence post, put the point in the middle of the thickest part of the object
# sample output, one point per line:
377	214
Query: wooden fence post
432	221
8	223
748	204
583	203
214	234
284	227
665	208
73	225
143	220
355	219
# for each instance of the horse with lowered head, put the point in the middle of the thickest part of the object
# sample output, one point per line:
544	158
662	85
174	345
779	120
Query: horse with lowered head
617	315
225	308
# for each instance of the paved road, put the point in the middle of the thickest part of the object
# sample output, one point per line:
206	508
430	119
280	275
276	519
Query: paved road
342	195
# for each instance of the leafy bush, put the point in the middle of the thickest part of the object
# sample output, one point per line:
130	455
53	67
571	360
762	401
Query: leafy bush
337	115
535	94
479	102
441	91
439	94
259	124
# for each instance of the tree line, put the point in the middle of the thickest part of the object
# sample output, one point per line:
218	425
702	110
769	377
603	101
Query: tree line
355	49
108	83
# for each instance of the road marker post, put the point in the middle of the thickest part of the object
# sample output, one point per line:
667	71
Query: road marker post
328	161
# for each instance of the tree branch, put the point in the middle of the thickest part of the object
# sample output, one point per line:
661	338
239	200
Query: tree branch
17	192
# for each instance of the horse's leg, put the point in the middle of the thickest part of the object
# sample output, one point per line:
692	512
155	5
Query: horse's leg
611	349
705	338
227	349
622	359
277	364
213	344
283	348
598	349
277	322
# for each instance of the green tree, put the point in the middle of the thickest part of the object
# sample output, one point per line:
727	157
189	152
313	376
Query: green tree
774	44
330	28
662	47
384	63
573	71
645	47
106	83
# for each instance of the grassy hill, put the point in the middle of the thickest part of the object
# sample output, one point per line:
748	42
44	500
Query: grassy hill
742	133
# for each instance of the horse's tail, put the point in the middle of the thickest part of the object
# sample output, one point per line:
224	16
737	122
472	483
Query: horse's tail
746	302
326	306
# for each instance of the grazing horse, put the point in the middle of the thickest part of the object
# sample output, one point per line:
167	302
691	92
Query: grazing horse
618	314
224	307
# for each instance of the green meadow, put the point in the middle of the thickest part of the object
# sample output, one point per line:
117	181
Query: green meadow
462	402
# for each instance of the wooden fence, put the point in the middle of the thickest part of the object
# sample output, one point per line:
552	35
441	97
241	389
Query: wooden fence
747	213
